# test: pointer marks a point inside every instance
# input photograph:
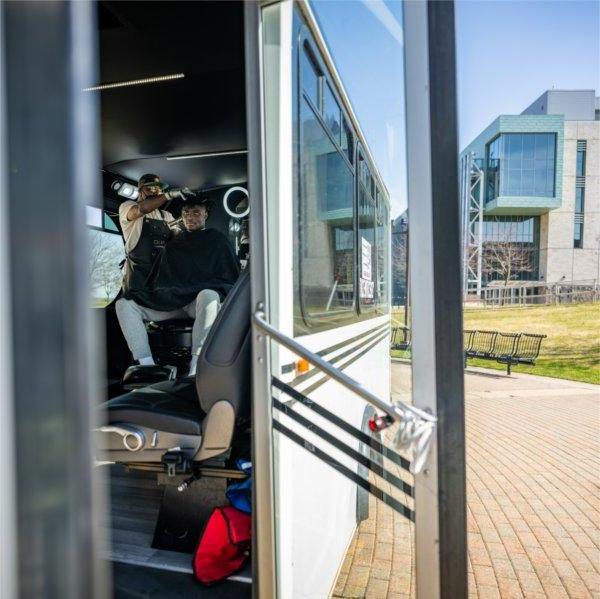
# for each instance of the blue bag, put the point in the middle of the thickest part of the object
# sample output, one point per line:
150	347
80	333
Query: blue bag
240	494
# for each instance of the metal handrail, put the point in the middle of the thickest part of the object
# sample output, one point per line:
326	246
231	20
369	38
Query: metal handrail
395	411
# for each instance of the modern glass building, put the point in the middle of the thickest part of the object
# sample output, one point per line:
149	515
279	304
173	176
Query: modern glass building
531	193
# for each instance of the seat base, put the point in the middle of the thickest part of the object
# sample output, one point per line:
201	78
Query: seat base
112	445
141	426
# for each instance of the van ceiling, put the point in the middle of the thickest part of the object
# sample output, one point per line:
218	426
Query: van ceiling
203	112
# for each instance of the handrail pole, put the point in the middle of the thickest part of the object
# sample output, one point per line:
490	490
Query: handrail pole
393	411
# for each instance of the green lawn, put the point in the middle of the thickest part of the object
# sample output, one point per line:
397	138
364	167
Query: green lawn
571	349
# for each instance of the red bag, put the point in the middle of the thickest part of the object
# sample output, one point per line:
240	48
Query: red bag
224	546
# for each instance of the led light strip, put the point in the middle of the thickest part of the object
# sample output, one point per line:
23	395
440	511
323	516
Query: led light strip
208	154
134	82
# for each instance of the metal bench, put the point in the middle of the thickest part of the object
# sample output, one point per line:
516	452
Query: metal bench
482	344
400	337
505	348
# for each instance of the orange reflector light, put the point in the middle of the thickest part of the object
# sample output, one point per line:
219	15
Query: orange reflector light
302	366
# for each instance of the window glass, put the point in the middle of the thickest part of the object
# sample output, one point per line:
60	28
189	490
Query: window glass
106	252
325	226
579	199
578	233
333	113
347	142
521	164
109	224
366	246
580	163
310	79
510	248
93	217
383	243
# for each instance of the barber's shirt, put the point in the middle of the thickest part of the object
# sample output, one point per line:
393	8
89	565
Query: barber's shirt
132	229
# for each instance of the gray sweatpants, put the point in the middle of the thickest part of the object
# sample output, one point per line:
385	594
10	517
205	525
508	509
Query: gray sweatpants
132	317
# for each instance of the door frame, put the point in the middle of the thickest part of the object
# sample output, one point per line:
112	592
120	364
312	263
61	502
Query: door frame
49	368
436	293
435	266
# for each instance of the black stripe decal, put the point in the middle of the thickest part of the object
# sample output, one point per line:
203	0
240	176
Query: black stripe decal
290	367
311	373
308	390
349	451
345	426
361	482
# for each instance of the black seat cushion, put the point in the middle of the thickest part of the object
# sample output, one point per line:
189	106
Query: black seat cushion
169	406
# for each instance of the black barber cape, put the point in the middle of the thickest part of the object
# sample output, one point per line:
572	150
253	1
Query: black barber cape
191	261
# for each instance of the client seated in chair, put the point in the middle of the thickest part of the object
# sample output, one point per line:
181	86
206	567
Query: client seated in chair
190	279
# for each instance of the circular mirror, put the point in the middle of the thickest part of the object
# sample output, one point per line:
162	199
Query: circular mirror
236	202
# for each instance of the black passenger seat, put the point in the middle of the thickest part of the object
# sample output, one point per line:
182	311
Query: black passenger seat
197	414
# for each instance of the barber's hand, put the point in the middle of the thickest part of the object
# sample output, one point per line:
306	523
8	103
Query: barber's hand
171	194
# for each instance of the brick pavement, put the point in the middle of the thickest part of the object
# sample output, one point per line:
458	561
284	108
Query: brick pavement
533	474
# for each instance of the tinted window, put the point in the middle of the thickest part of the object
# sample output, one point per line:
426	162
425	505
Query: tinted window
580	163
325	226
514	239
579	199
383	247
347	141
106	252
310	78
521	164
333	113
366	240
109	224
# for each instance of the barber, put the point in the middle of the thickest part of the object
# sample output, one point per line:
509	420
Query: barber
145	226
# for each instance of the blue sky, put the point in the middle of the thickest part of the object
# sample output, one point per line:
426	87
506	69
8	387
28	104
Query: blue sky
508	53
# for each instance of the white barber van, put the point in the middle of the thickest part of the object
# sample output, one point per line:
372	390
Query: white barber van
258	107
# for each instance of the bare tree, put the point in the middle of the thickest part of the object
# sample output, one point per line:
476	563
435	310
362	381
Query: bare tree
105	255
505	259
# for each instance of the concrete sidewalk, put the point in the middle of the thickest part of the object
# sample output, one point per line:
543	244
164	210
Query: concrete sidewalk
533	474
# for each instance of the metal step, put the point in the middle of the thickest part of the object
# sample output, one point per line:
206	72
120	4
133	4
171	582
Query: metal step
132	581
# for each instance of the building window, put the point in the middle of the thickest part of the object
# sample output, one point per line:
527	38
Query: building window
581	152
510	248
578	218
521	164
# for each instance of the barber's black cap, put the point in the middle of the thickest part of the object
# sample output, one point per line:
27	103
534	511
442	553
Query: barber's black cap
148	179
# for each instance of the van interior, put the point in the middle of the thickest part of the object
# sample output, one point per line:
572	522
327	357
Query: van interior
172	98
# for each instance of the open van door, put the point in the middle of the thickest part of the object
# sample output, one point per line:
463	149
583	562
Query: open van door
354	488
48	369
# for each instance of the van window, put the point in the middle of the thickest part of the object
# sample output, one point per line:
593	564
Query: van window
366	240
383	252
332	113
325	230
347	141
310	79
106	253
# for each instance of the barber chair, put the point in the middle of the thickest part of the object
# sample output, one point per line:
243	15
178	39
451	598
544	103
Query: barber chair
171	341
179	422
